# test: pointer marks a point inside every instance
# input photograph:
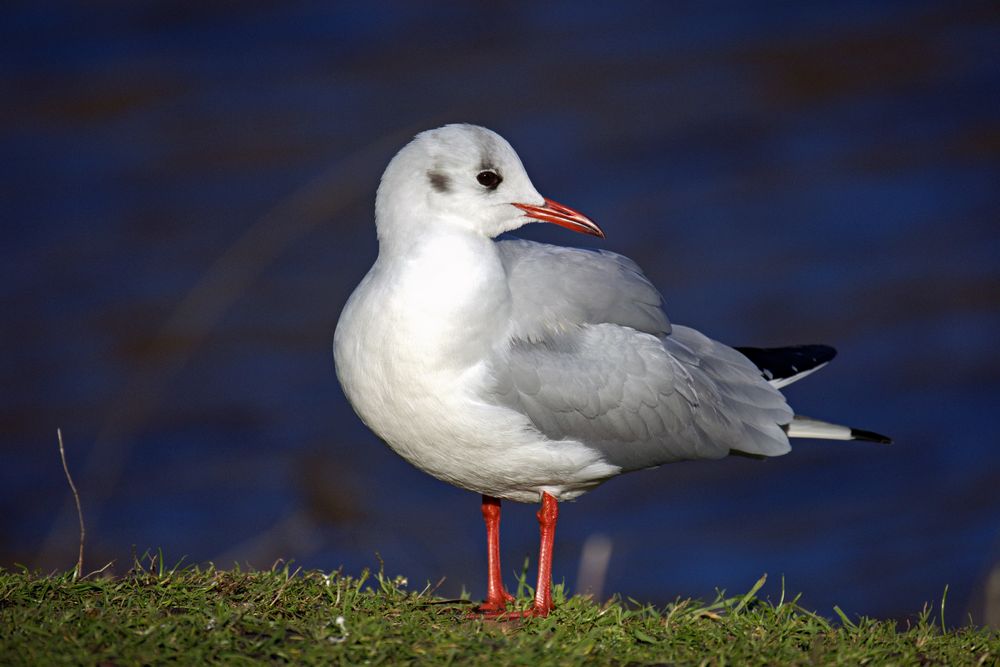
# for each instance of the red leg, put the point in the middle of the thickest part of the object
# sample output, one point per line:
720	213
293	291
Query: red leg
497	596
547	516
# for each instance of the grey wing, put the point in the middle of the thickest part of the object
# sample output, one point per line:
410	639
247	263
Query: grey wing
642	400
555	288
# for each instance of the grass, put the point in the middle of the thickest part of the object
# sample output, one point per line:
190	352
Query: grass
191	615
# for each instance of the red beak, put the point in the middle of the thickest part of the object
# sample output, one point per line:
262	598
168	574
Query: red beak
563	216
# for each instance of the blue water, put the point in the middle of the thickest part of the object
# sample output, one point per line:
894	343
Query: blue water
188	203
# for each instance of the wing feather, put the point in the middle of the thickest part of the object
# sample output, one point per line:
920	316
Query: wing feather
642	399
592	357
554	288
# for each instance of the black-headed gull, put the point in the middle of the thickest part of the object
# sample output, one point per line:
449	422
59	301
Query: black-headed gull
526	371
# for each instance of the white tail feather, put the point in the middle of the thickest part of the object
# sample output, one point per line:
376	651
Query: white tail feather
778	383
807	427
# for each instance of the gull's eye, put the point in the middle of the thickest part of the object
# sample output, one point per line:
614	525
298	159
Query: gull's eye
489	179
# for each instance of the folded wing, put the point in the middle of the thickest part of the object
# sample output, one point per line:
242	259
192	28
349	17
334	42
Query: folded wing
592	358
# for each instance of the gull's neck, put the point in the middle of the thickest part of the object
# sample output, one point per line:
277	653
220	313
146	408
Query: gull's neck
446	292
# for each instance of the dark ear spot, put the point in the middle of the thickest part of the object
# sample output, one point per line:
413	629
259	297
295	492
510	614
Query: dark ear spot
440	182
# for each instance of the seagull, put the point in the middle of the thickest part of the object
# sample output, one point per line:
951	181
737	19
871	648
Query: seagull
531	372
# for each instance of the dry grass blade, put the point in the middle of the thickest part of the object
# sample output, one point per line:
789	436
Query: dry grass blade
78	572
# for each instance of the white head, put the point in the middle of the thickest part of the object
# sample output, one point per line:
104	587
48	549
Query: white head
465	177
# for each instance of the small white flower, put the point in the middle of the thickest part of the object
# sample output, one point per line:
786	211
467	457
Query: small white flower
344	634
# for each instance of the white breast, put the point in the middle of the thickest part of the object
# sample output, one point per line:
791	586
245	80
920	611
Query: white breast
412	349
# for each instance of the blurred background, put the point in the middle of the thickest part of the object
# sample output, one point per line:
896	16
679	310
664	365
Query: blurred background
187	198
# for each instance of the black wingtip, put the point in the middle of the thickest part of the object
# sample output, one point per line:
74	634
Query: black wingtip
778	363
870	436
824	353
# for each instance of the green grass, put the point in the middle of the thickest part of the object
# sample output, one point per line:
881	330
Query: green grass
189	616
